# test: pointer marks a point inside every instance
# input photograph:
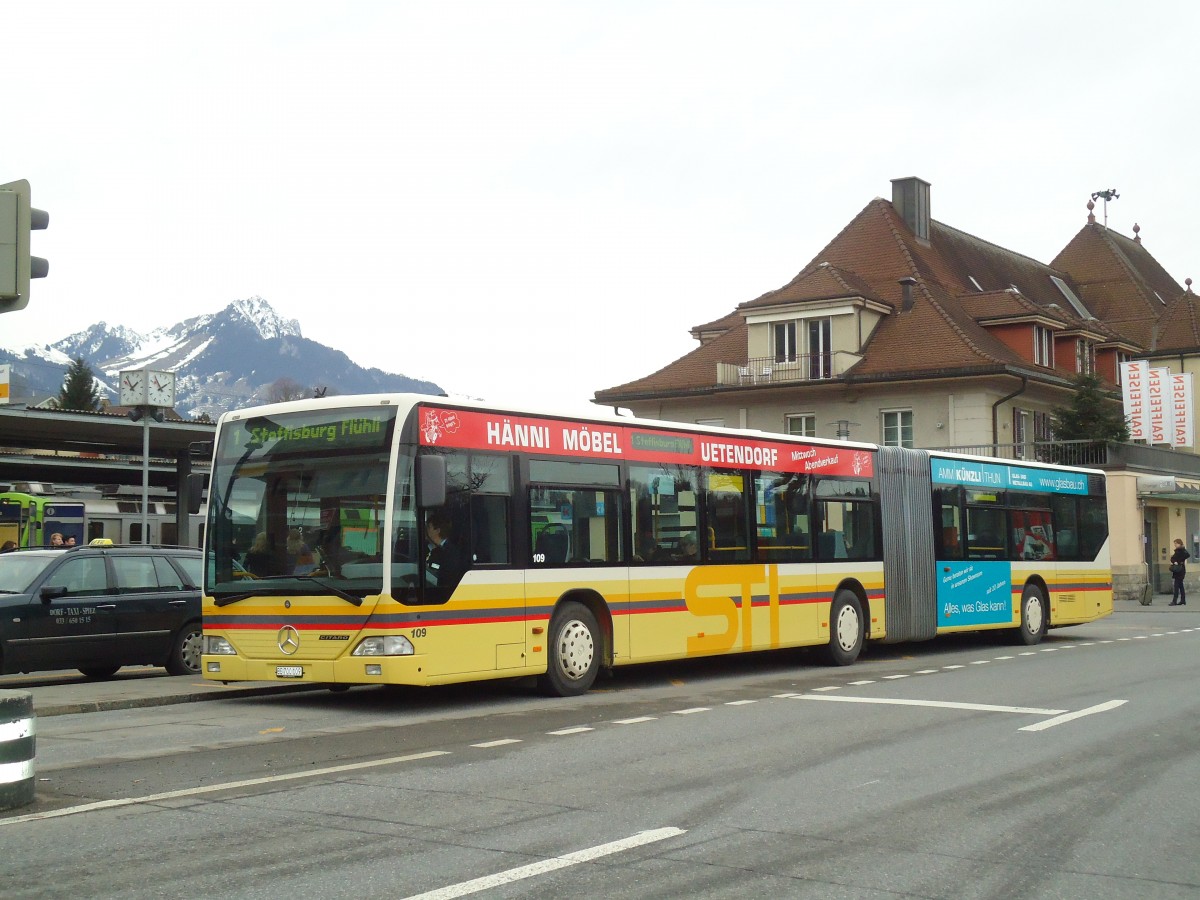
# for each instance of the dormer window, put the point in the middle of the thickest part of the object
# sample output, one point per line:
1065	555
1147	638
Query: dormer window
1043	346
1085	356
785	341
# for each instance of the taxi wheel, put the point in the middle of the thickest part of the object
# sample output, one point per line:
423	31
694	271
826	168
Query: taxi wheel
99	672
185	652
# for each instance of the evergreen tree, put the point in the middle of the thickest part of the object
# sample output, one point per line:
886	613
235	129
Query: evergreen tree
79	391
1092	415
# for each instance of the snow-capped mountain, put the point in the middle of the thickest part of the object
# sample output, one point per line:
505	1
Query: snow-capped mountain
236	357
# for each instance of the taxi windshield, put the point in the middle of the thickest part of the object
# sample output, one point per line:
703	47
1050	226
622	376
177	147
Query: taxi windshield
297	504
20	570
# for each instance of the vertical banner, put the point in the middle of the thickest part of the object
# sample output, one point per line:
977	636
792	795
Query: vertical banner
1133	394
5	374
1183	434
1158	406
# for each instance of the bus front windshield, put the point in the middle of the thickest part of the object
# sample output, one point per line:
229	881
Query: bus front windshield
296	504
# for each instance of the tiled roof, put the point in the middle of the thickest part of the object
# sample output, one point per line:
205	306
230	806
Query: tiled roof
822	281
960	281
1179	327
1119	281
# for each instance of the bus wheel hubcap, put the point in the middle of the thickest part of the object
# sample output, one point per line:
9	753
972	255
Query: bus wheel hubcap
575	649
1033	613
847	628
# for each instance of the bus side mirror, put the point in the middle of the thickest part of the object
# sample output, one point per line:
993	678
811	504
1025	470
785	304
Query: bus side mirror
431	483
195	492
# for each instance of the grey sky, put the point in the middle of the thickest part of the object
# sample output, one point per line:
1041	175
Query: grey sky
529	201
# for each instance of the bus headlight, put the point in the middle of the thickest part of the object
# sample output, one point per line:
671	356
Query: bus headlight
384	645
217	646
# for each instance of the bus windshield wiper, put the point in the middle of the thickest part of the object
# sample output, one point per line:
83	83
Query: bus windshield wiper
333	589
261	590
231	598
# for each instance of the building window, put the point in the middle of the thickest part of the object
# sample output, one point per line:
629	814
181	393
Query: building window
897	428
802	425
820	351
1020	433
1043	346
785	341
1085	356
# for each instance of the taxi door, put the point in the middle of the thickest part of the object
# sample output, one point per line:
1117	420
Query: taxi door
71	619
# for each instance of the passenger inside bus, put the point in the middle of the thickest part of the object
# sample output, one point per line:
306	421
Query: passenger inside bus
687	549
258	557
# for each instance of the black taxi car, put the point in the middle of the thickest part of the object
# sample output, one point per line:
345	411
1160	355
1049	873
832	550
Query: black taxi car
97	608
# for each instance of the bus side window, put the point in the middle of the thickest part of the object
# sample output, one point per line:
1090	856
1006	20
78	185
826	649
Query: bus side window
728	516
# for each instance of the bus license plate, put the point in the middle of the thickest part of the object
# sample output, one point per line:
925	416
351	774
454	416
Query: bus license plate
289	671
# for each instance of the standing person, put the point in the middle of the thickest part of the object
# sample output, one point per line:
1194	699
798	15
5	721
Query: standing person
56	539
1178	570
9	547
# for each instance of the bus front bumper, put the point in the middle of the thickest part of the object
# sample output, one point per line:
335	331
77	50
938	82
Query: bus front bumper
348	670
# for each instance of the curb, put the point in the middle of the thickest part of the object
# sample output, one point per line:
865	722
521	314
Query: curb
67	708
18	742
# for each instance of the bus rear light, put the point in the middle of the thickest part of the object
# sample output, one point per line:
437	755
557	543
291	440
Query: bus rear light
385	645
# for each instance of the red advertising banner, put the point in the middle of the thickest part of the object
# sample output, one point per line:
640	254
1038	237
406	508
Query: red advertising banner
470	429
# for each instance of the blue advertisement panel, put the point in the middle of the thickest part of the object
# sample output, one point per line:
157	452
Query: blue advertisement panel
1001	477
974	592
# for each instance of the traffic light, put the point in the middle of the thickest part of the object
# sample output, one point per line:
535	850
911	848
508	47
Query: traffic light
17	219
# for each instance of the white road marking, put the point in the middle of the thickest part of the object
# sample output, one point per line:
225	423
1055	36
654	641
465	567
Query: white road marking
857	683
927	671
1071	716
938	704
549	865
948	668
829	687
227	786
500	743
694	709
636	721
740	702
578	729
893	677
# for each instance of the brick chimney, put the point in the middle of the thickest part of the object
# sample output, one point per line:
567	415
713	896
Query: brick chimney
910	196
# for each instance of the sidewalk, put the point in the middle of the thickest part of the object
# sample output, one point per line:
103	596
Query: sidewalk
64	693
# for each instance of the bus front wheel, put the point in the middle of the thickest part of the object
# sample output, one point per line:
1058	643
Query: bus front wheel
1034	619
574	652
845	629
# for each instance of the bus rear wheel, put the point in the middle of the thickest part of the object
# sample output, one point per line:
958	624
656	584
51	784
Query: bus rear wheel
845	629
1034	620
574	652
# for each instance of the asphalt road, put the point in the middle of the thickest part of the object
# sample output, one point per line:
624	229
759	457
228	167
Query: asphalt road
960	768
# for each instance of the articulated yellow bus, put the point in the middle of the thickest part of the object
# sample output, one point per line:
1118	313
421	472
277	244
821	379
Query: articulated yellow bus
408	539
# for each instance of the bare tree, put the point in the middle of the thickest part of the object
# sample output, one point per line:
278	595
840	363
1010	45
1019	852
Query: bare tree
283	389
